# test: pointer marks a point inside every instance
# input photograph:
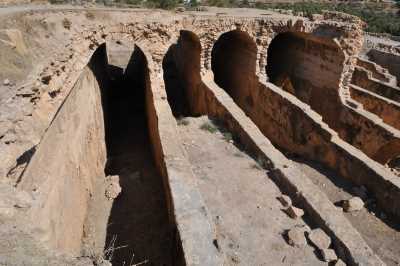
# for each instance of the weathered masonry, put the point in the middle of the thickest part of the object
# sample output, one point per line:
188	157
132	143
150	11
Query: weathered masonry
290	92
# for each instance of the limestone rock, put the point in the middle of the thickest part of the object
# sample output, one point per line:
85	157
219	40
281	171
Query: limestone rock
319	238
113	188
339	262
296	237
285	200
294	212
328	255
353	204
317	17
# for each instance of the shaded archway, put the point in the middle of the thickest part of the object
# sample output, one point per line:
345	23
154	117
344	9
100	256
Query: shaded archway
181	68
309	67
233	61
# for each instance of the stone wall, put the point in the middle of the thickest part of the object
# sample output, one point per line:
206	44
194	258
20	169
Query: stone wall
377	71
363	78
188	212
234	66
312	66
348	243
69	159
291	125
387	110
390	61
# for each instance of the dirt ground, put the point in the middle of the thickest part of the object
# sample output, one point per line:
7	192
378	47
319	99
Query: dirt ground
380	233
250	228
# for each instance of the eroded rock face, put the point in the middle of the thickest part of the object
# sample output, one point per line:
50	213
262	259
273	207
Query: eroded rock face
62	177
65	176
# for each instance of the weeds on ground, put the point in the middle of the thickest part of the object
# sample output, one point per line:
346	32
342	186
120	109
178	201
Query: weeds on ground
66	23
227	136
207	126
108	254
181	121
109	251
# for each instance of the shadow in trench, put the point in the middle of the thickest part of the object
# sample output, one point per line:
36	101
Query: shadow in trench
138	226
174	84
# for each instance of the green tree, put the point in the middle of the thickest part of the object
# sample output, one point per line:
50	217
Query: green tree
164	4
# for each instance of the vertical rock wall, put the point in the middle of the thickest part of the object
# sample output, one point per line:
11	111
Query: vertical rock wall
69	159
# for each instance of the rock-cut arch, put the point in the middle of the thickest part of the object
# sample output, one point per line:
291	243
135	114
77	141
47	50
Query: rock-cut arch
181	68
309	67
233	62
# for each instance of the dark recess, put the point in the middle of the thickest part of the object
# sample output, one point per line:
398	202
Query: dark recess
138	228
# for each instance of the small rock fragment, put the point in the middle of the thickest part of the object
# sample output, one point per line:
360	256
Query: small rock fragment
46	79
296	237
319	238
294	212
6	82
328	255
285	201
353	204
339	262
113	188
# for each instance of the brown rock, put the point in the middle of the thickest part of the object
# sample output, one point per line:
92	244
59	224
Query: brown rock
319	238
328	255
296	237
294	212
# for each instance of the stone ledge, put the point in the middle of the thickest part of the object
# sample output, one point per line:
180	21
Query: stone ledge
348	242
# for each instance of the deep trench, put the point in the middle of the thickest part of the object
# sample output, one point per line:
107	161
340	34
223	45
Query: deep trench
138	228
